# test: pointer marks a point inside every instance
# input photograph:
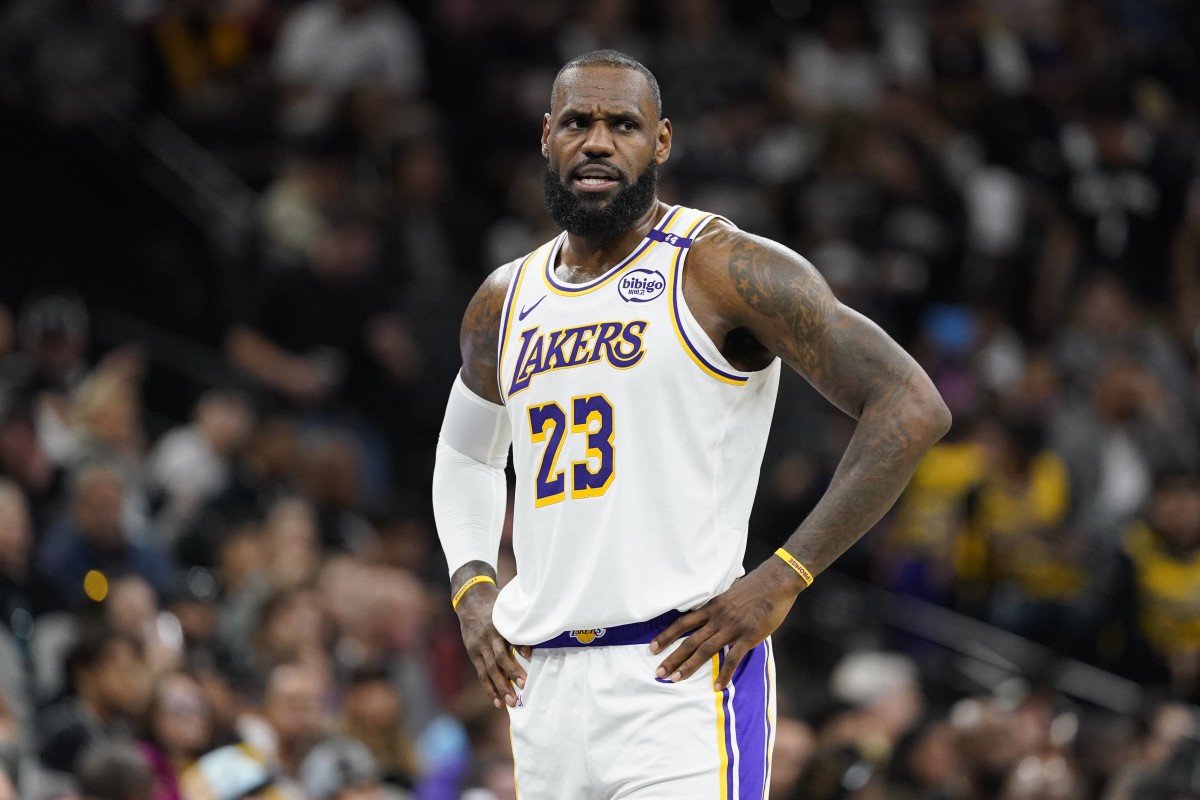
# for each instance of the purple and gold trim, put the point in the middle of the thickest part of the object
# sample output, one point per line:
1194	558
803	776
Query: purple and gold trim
744	725
514	289
572	290
711	369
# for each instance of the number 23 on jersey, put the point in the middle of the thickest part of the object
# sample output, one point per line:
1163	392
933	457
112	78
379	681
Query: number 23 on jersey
591	416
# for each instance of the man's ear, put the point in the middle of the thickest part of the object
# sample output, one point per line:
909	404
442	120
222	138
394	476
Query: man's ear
545	136
662	150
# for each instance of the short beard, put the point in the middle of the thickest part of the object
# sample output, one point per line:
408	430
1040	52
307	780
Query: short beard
579	218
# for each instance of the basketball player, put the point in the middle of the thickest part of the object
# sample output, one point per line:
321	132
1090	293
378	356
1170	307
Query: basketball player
632	363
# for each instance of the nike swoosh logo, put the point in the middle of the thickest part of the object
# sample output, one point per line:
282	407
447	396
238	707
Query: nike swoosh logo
525	312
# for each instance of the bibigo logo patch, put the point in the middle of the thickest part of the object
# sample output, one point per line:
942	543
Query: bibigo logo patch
641	285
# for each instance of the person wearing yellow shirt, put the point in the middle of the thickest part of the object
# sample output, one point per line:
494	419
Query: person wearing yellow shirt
1147	625
1017	517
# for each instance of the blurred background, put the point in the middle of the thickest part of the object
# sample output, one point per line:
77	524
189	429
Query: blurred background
239	240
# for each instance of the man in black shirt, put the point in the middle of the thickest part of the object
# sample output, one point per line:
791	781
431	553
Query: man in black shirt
111	683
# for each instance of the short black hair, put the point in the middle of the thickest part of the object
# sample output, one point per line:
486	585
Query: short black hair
93	648
612	58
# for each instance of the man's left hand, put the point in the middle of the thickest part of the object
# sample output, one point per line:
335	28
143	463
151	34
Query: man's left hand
742	616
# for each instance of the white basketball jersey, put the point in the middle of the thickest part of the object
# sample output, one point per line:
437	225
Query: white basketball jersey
636	445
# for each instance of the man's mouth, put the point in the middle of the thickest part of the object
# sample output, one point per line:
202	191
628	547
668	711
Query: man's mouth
594	178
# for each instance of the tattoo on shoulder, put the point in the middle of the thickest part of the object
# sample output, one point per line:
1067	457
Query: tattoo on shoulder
845	356
774	286
479	338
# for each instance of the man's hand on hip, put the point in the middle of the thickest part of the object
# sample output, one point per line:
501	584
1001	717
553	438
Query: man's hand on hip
490	653
742	616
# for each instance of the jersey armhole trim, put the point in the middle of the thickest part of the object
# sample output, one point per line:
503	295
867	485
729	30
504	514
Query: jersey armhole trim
506	320
683	321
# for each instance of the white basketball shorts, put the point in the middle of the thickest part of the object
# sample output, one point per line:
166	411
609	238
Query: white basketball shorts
593	723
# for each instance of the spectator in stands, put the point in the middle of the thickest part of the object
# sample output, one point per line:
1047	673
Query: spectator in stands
1179	777
293	210
291	723
103	423
795	743
264	473
342	769
78	412
240	559
1162	727
391	627
374	716
191	465
16	545
431	228
1114	443
837	69
178	729
1016	515
841	772
95	542
1153	595
293	544
53	332
986	745
24	460
328	48
199	56
924	764
1119	202
109	687
599	26
105	411
335	476
329	334
1043	778
921	554
1108	322
115	771
132	608
292	628
706	61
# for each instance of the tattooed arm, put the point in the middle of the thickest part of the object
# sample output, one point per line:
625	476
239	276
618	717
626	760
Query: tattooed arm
489	652
760	300
479	337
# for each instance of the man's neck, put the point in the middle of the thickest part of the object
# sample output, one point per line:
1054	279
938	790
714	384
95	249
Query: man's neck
586	259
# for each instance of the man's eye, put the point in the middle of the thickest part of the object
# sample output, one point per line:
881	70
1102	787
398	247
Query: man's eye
575	123
626	126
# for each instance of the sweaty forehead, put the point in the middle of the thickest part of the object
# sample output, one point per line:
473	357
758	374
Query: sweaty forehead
609	88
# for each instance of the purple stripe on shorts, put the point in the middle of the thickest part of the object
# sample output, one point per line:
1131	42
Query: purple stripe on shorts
750	713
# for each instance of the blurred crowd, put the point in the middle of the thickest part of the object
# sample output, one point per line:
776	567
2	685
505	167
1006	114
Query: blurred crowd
247	599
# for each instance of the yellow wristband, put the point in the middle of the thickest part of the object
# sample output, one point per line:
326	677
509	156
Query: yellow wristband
791	561
463	589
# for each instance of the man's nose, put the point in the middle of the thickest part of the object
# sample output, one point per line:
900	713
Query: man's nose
599	141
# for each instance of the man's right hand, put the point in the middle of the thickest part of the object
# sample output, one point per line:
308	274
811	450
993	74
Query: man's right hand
491	654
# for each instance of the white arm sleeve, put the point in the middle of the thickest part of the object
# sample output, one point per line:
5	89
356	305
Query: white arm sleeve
469	490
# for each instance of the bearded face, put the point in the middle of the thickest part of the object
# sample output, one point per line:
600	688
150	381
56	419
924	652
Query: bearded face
598	216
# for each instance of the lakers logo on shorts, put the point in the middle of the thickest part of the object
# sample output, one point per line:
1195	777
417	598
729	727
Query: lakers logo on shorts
588	635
